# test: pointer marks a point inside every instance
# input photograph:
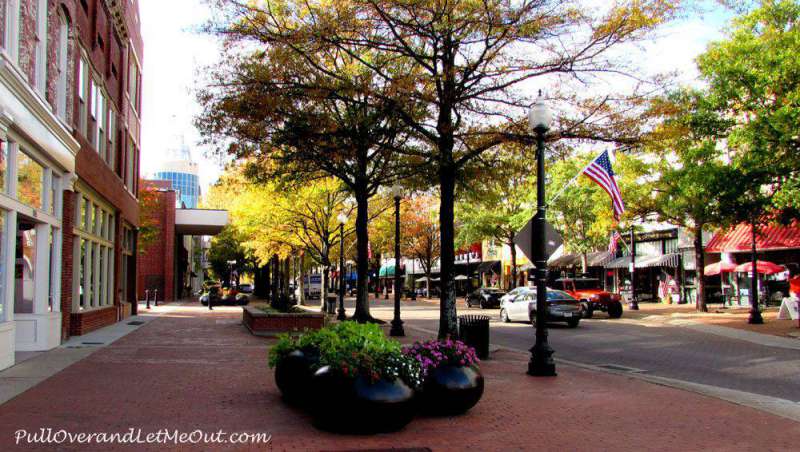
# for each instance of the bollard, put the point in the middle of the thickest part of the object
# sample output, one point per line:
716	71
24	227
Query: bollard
155	296
147	297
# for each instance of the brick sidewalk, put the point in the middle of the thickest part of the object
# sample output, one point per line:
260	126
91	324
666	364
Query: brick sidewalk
194	369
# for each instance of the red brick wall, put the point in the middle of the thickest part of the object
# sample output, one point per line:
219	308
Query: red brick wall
67	261
158	259
262	324
86	322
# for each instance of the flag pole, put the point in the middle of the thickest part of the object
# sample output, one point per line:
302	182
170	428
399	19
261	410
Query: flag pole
571	181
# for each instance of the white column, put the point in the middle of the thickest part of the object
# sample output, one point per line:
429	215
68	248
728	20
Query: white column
55	265
9	259
41	273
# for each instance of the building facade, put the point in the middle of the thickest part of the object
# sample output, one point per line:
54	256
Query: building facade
70	84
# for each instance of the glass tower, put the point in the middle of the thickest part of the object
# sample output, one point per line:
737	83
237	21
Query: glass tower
181	171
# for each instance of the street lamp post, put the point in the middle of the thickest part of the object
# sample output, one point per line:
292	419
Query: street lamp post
634	304
341	315
397	324
755	317
541	363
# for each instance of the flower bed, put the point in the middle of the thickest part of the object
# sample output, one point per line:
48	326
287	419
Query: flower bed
262	323
353	379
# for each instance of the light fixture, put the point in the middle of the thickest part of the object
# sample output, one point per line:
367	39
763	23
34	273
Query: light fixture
539	116
397	191
342	218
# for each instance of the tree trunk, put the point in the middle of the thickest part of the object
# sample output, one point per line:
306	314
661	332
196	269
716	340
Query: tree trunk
361	313
699	265
274	279
448	321
286	277
513	247
324	297
301	284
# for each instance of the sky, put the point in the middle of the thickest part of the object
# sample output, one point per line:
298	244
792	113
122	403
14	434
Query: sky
175	51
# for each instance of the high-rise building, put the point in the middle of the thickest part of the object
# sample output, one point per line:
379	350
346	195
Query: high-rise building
181	171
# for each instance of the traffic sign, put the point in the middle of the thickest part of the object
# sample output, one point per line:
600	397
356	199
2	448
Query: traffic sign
524	239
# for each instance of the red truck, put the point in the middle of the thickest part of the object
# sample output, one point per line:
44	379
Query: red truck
593	298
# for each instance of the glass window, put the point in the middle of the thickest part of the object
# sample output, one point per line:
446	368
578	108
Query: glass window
63	55
24	268
100	116
83	95
112	132
30	180
11	35
40	64
2	263
3	164
81	283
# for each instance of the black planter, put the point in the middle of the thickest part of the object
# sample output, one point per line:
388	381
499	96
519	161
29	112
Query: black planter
450	390
293	375
356	405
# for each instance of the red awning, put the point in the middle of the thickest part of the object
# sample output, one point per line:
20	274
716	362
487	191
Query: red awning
768	238
763	267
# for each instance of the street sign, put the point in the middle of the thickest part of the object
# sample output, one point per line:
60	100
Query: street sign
523	239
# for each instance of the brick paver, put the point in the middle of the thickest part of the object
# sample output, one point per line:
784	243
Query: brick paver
195	369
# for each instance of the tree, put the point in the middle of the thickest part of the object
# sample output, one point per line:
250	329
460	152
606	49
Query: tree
420	236
300	110
499	202
149	207
693	178
462	64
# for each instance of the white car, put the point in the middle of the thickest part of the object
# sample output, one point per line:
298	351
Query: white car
561	307
515	293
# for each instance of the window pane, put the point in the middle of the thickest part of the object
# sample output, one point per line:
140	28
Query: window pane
24	268
30	180
3	164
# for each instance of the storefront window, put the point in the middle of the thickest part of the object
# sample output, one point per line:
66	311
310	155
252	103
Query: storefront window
2	264
24	268
97	255
3	164
30	180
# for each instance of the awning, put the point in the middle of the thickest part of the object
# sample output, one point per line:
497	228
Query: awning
200	221
770	237
667	260
596	259
387	271
488	267
460	278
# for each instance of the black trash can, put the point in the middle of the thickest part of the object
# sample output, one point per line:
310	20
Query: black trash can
330	304
474	331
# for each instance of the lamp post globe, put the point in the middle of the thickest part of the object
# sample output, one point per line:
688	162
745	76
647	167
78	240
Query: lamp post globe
340	314
397	324
541	363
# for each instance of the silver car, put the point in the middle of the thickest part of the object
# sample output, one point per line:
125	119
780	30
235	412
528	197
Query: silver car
561	307
514	293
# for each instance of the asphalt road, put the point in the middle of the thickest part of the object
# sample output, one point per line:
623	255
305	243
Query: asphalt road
661	350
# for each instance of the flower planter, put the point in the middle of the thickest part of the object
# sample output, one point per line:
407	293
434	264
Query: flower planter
293	375
357	405
261	323
450	390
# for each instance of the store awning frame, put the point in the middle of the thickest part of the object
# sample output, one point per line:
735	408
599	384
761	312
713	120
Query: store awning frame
667	260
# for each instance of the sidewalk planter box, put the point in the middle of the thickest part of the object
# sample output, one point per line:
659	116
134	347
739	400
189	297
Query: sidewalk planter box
450	390
293	375
358	405
261	323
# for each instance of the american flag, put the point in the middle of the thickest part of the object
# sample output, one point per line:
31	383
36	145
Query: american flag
612	244
601	172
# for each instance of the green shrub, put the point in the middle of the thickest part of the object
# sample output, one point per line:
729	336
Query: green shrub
353	349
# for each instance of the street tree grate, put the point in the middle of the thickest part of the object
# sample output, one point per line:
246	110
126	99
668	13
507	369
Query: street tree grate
136	322
621	368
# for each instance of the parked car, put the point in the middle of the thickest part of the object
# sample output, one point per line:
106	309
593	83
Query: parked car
561	307
588	291
229	297
245	288
485	297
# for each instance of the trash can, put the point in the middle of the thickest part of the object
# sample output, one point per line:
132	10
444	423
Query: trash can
474	331
330	304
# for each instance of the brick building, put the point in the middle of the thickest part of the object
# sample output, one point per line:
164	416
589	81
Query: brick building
156	261
70	102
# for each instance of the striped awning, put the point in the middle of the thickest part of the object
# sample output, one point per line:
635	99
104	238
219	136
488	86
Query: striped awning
770	237
667	260
596	259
